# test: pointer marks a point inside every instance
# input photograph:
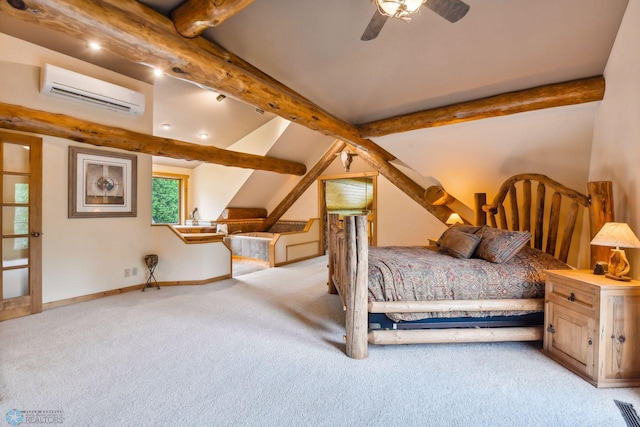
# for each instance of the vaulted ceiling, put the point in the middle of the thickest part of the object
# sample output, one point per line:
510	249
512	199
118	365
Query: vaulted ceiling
314	48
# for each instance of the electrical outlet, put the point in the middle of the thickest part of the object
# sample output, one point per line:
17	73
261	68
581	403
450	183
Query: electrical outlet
127	272
134	271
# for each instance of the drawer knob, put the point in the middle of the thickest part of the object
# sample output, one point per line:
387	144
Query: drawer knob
550	329
572	297
590	342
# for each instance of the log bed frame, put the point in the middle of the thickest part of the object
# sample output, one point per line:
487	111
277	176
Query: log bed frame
348	262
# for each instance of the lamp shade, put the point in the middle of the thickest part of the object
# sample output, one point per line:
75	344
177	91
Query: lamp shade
616	234
454	218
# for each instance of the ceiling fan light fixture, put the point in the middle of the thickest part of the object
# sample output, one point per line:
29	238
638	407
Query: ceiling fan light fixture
402	9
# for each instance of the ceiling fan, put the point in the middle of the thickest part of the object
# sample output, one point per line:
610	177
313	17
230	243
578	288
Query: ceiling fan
451	10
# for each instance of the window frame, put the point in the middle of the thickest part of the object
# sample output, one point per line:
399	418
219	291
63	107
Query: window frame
183	190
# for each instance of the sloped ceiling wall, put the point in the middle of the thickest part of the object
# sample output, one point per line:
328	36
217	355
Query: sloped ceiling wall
478	156
216	185
265	189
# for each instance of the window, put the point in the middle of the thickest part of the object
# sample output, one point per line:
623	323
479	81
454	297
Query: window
350	194
168	198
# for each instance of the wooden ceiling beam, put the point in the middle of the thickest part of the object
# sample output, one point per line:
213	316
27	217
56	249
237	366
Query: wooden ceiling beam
547	96
59	125
304	183
195	16
139	34
405	184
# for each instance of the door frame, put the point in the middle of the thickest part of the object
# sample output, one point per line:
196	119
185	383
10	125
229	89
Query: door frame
23	306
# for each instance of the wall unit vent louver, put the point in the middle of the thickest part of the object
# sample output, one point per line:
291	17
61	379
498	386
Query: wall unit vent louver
61	83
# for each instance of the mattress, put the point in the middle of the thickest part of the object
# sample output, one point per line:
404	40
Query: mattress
425	274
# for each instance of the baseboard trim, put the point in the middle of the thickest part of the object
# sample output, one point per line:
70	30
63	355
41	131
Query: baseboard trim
89	297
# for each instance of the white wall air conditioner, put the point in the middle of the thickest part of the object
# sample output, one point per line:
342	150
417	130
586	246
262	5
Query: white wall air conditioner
61	83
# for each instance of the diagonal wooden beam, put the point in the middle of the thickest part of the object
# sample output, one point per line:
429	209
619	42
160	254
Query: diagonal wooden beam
304	183
405	184
547	96
121	24
195	16
28	120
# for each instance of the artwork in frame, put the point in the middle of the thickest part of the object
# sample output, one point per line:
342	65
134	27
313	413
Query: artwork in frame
102	184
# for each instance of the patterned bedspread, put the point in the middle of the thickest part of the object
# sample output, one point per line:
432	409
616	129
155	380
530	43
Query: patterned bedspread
424	274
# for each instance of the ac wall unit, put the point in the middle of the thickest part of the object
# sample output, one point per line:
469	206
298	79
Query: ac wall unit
61	83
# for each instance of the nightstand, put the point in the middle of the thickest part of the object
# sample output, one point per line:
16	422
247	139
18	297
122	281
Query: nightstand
592	326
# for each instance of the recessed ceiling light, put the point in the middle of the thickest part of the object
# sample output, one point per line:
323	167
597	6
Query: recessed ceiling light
157	71
165	126
94	46
203	135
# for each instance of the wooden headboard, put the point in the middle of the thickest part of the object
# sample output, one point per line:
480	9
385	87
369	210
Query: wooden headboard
517	206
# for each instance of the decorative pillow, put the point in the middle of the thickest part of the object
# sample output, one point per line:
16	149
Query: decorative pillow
459	244
461	228
499	246
222	228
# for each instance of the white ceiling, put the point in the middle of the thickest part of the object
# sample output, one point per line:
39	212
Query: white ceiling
314	47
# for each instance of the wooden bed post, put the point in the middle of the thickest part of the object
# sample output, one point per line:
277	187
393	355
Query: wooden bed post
600	211
333	222
356	322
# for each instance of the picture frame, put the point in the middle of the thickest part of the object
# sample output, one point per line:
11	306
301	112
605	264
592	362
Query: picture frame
102	184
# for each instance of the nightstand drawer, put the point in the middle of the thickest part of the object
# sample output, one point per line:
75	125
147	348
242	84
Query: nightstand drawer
583	299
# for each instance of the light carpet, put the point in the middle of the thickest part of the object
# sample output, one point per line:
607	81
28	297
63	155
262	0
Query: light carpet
265	349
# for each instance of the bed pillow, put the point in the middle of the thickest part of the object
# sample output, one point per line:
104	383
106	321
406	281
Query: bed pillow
462	228
459	244
499	246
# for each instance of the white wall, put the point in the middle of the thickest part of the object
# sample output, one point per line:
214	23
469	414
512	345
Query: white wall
20	83
216	185
616	142
178	262
82	256
478	156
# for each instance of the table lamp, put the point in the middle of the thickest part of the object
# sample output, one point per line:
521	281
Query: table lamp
453	219
618	235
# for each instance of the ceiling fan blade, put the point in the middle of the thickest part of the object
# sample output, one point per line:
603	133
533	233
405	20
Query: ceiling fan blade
451	10
374	27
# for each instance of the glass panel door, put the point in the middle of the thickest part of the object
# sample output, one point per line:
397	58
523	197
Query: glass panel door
20	224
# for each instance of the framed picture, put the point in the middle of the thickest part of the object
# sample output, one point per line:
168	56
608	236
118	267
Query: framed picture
101	183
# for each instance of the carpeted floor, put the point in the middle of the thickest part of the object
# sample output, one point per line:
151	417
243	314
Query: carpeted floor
265	349
242	265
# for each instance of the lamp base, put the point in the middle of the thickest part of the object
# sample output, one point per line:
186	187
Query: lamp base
620	278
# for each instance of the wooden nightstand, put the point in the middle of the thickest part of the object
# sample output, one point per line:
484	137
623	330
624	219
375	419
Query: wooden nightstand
592	326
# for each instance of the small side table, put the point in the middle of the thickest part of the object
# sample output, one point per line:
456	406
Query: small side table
152	261
591	326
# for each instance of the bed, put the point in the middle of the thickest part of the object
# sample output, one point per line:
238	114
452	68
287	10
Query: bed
488	288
